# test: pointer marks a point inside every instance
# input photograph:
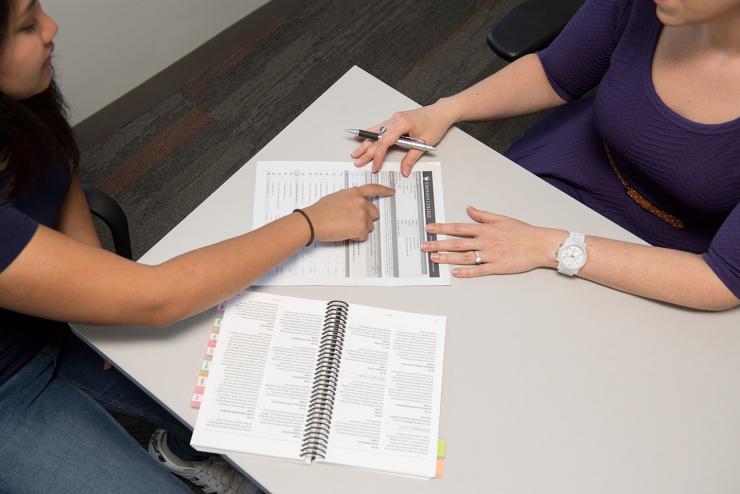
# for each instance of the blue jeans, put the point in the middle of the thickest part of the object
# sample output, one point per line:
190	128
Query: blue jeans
56	434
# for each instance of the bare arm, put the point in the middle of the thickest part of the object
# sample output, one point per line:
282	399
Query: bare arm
519	88
59	277
670	275
507	245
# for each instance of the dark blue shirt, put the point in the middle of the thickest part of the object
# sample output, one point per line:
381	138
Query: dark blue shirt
22	336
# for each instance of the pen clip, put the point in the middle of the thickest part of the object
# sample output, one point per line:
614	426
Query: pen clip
409	138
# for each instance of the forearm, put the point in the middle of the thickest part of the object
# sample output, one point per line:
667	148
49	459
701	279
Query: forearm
84	284
206	276
58	277
669	275
519	88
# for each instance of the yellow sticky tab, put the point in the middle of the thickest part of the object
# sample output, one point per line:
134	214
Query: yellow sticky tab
441	448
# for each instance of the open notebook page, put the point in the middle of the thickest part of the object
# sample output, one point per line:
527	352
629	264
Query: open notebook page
386	410
261	377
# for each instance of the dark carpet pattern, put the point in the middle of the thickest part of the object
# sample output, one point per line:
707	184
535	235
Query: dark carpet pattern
160	166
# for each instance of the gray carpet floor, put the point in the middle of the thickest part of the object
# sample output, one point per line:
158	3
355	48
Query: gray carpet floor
164	163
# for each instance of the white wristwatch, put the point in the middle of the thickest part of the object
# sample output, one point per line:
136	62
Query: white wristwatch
572	256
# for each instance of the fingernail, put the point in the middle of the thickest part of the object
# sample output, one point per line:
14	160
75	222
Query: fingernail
357	163
430	228
435	257
425	246
456	272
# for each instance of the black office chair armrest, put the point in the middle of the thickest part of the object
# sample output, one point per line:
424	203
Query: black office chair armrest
107	209
530	27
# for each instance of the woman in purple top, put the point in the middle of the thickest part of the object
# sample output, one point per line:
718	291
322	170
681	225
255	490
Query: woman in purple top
54	392
656	150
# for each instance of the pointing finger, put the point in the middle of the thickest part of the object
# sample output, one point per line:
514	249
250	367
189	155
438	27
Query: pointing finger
372	190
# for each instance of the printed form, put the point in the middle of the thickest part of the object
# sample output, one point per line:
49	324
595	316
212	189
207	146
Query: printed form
391	256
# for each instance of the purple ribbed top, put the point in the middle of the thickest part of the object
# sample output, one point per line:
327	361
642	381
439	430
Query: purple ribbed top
687	169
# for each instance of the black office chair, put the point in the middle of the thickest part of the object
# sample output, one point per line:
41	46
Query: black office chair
530	27
107	209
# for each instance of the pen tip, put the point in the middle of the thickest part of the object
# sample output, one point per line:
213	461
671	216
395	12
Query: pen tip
351	131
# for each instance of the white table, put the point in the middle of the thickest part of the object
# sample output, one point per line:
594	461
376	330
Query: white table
551	385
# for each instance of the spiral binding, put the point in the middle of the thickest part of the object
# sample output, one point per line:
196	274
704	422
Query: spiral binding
321	404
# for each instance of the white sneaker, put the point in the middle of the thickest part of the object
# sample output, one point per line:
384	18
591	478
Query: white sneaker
213	475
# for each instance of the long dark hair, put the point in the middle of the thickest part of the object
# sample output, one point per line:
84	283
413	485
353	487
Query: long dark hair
33	131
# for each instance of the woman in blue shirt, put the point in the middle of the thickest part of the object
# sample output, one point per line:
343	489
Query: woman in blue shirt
57	435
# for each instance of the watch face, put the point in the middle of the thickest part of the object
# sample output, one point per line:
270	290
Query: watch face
573	257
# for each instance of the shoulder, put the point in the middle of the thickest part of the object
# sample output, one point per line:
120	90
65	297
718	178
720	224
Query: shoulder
614	15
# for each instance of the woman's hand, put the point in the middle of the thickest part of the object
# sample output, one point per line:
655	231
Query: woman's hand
429	123
346	214
505	245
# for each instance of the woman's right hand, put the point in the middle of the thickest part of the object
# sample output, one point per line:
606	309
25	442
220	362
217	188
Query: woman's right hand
346	214
429	123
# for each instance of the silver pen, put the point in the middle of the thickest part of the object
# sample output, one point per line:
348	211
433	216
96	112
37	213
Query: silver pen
404	142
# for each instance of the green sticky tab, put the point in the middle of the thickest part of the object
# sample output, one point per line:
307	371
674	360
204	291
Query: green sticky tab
441	448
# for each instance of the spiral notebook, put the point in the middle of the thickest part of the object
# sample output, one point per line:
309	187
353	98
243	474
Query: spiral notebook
311	380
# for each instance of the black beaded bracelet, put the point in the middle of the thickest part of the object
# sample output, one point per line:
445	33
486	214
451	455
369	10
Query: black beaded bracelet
310	225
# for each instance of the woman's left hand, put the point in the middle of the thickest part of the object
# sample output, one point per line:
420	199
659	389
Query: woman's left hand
505	245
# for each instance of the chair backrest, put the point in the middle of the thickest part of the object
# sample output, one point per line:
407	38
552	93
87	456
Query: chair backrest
530	27
107	209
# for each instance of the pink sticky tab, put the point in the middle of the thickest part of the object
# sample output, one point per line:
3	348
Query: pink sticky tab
199	390
211	343
440	468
